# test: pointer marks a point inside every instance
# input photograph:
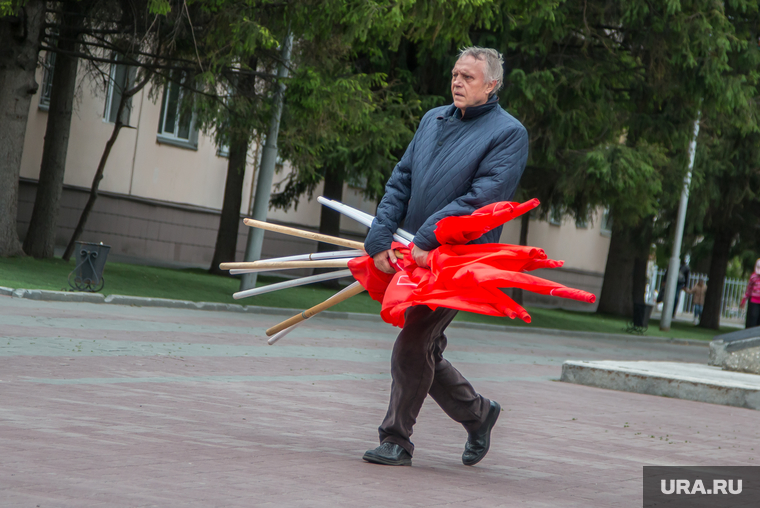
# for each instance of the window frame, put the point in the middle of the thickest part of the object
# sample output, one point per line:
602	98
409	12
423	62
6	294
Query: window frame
47	81
129	74
223	151
605	226
172	138
555	216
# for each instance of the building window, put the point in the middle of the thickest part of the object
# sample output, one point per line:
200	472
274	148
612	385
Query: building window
223	141
581	222
47	81
176	127
606	222
223	146
555	216
119	81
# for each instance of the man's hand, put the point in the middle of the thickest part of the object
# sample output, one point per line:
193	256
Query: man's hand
385	260
420	256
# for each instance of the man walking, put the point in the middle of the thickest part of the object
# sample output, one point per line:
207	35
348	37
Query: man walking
463	156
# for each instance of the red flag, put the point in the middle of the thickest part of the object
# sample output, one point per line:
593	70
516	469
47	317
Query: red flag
466	228
464	277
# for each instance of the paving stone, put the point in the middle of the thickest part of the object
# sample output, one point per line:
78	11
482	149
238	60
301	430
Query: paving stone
99	406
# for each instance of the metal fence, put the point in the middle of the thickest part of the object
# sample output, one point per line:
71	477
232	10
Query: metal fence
733	291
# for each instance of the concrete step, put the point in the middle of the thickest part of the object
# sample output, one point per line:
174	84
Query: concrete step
689	381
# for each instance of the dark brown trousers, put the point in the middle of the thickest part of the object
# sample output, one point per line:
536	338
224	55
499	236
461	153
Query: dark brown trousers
418	369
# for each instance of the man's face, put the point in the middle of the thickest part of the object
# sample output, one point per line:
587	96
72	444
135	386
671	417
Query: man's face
468	83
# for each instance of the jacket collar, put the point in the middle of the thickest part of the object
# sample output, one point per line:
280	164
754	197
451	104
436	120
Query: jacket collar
473	111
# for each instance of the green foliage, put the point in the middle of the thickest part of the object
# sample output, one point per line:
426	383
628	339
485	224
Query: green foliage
10	7
608	89
345	111
399	58
725	197
628	175
736	269
354	126
159	7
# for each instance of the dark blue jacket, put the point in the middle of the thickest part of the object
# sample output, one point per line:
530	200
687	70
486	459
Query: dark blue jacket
452	167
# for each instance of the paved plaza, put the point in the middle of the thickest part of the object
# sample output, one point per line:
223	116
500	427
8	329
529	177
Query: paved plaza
127	406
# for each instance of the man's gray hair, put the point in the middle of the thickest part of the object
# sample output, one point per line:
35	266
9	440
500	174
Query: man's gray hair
494	63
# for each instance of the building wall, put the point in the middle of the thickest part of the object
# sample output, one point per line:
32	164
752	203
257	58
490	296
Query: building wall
141	166
138	164
149	230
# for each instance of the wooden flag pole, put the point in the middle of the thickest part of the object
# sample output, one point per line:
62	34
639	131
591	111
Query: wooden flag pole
352	290
285	265
303	234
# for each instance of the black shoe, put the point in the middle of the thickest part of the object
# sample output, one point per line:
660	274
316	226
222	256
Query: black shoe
479	442
389	454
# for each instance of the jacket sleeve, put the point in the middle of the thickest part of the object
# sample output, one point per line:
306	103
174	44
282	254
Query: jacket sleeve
748	292
495	180
392	208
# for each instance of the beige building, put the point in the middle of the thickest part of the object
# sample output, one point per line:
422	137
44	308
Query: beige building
162	190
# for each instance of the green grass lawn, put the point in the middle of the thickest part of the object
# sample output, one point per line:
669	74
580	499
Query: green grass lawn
188	284
591	322
197	285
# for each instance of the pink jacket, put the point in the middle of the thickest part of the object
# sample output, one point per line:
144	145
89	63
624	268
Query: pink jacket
753	289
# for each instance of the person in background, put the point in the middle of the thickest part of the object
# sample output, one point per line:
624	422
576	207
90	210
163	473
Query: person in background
699	299
753	295
683	280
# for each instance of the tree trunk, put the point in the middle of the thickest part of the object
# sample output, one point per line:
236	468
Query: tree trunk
94	188
329	219
626	269
717	274
617	286
643	240
40	238
125	97
229	222
517	293
19	40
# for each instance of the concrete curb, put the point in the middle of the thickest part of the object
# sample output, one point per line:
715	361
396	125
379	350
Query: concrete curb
138	301
57	296
150	302
687	381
